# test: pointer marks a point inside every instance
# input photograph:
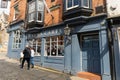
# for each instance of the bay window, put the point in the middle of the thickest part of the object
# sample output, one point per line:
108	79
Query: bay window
54	46
40	10
35	11
75	3
71	3
31	11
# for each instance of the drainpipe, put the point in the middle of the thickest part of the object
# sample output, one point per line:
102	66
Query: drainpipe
111	52
110	44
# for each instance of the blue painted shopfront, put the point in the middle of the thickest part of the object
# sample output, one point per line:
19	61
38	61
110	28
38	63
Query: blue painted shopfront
87	50
12	51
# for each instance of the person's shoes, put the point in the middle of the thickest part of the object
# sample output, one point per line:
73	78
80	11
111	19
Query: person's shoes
32	66
28	68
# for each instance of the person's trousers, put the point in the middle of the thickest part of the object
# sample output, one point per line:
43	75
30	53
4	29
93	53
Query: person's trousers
28	62
32	61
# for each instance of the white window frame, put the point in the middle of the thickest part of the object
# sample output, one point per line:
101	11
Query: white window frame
82	3
14	17
5	2
37	45
67	8
32	11
41	17
17	36
35	12
56	40
40	5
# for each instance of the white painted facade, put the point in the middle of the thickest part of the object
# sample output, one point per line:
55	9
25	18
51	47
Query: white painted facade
5	10
113	8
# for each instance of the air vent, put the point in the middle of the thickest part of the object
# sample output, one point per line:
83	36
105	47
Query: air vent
99	9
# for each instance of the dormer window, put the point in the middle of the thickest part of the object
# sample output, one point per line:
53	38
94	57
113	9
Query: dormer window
71	4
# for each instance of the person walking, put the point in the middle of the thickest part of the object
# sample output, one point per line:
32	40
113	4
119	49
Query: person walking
27	55
32	57
21	57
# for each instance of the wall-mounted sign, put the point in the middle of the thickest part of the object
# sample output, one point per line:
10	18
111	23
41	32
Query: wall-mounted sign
44	33
113	8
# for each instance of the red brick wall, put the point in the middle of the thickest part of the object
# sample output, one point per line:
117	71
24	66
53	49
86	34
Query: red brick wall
22	8
96	3
57	13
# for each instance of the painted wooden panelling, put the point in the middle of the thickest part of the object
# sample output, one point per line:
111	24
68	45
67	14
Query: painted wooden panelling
56	63
54	60
116	53
76	54
104	53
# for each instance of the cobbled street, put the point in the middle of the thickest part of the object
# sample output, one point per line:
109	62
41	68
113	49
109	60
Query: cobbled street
10	70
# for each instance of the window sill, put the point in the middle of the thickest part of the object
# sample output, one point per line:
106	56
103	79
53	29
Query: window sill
72	7
54	56
54	7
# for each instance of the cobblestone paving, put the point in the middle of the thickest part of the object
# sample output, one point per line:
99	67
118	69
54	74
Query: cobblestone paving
10	70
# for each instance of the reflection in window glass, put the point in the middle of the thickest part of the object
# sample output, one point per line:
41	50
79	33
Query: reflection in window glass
36	44
69	3
54	46
85	3
39	16
72	3
31	11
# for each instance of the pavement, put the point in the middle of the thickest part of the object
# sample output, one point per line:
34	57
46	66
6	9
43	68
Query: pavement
10	70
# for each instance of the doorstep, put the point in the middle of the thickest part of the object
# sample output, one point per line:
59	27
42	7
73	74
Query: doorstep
89	76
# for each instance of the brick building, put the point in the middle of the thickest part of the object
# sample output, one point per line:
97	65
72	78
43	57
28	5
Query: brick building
67	35
16	24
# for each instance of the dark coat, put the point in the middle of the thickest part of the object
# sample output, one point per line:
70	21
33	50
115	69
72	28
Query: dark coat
27	52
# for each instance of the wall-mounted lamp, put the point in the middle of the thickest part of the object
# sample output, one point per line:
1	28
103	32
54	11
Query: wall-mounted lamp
22	28
67	31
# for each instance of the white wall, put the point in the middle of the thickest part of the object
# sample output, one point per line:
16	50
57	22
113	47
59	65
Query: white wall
6	10
113	8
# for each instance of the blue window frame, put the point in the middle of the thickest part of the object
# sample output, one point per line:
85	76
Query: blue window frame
71	4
